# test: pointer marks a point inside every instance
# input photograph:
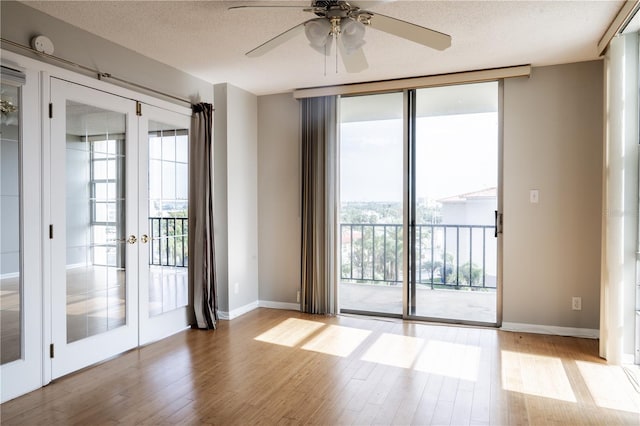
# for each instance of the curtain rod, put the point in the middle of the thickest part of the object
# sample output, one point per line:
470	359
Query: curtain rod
99	74
415	82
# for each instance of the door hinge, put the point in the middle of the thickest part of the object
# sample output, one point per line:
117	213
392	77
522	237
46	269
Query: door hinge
50	110
51	232
138	109
51	350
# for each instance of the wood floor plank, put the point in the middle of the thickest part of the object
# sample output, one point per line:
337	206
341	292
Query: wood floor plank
274	367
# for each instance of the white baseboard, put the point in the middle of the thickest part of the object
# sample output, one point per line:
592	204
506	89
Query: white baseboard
223	315
279	305
588	333
238	311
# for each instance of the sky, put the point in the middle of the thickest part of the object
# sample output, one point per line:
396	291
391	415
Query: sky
455	154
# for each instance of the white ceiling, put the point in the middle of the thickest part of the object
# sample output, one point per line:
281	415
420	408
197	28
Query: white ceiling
206	40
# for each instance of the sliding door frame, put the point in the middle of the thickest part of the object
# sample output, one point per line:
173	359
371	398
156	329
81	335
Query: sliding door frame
409	290
409	211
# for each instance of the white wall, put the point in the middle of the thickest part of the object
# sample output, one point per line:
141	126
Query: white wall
236	199
553	139
279	197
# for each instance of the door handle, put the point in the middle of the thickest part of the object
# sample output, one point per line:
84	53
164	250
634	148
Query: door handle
132	239
144	238
497	223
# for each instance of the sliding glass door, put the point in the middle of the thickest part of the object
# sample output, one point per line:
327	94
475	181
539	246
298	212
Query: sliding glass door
435	151
454	197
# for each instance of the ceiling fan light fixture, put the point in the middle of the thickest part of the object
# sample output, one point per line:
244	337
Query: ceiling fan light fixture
317	31
352	34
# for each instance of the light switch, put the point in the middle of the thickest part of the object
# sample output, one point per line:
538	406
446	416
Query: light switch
534	196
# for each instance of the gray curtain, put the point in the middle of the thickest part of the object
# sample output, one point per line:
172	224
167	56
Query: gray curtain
319	205
202	259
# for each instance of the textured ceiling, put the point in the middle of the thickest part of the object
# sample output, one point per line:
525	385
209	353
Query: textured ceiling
206	40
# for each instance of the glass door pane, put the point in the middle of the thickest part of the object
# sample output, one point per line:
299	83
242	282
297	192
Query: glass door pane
455	166
371	195
164	223
96	237
10	253
168	217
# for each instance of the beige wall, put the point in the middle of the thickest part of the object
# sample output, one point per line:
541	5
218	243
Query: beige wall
242	196
279	197
553	142
235	198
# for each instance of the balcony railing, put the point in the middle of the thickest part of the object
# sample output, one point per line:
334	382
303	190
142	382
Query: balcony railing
169	243
448	255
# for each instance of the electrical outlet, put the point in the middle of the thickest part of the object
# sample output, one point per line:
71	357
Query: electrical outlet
534	196
298	296
576	303
236	288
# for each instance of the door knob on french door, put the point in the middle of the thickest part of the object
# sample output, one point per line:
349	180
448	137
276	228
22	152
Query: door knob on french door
132	239
144	238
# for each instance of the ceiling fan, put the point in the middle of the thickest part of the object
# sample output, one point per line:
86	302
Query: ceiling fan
345	22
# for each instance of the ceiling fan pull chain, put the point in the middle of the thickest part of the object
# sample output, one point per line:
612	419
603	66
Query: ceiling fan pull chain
335	39
325	59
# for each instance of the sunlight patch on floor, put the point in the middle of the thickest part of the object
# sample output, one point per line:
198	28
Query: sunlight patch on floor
450	359
536	375
604	382
394	350
290	332
337	340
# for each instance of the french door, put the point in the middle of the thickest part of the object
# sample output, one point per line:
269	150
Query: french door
420	194
163	223
20	236
94	252
104	271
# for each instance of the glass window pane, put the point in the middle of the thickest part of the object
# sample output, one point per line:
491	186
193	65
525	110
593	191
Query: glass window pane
168	180
182	181
182	148
155	147
168	147
155	179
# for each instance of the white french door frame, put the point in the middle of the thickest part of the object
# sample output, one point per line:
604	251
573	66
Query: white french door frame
26	374
71	356
158	326
36	105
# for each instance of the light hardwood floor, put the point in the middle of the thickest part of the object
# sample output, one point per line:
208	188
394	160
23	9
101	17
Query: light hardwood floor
283	367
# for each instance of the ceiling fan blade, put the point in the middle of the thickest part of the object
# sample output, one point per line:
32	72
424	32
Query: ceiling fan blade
353	62
290	4
409	31
276	41
368	4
